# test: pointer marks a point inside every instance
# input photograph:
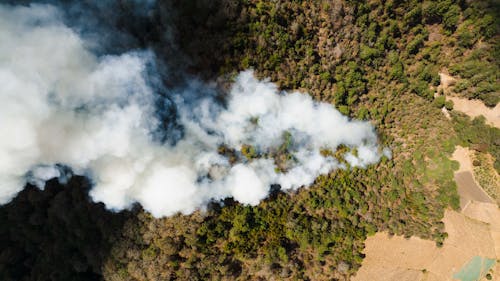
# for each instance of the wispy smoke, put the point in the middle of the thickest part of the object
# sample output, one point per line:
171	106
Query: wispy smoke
65	110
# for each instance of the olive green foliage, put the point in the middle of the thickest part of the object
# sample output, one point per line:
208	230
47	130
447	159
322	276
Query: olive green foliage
374	60
480	68
478	135
440	101
294	236
480	74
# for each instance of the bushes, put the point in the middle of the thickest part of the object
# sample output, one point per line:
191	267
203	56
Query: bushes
368	53
448	105
488	26
430	12
337	54
397	72
439	102
475	132
477	80
466	34
451	17
413	17
414	45
421	88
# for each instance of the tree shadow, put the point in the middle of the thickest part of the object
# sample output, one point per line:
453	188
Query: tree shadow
57	233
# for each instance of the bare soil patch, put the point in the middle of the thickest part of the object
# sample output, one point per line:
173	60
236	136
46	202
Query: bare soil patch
469	190
475	108
396	258
463	156
446	81
475	231
471	107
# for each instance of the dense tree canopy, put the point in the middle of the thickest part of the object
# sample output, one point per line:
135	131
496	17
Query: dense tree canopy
375	60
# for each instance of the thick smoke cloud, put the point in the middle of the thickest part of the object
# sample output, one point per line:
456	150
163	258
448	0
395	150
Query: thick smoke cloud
65	110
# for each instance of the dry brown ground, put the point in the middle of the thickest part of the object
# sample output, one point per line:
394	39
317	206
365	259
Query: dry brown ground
445	82
487	176
463	156
468	187
399	259
472	108
469	190
475	231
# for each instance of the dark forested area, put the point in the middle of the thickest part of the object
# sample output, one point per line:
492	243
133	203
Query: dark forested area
57	233
375	60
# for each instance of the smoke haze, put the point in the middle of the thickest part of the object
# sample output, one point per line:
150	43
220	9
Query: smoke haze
66	109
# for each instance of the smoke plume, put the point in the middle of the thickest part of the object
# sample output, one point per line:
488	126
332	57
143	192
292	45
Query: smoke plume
65	110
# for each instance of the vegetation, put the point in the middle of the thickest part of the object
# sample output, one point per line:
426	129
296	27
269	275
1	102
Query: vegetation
376	61
57	233
373	60
486	175
476	134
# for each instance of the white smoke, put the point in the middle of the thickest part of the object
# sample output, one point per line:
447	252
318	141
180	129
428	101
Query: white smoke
60	105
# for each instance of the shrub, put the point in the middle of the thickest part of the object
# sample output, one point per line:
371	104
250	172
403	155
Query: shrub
448	105
451	18
439	102
414	45
344	109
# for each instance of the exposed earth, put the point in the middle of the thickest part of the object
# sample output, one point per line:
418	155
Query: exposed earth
473	108
473	231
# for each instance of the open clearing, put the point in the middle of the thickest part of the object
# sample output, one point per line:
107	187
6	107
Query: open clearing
473	108
396	258
473	232
469	190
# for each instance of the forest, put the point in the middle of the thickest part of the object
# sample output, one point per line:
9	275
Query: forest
372	60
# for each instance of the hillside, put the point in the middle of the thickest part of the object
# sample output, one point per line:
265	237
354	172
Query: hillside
372	60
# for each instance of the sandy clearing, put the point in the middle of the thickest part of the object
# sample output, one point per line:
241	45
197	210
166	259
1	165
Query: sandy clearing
473	232
471	107
468	187
488	213
446	81
469	190
474	108
463	156
397	258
